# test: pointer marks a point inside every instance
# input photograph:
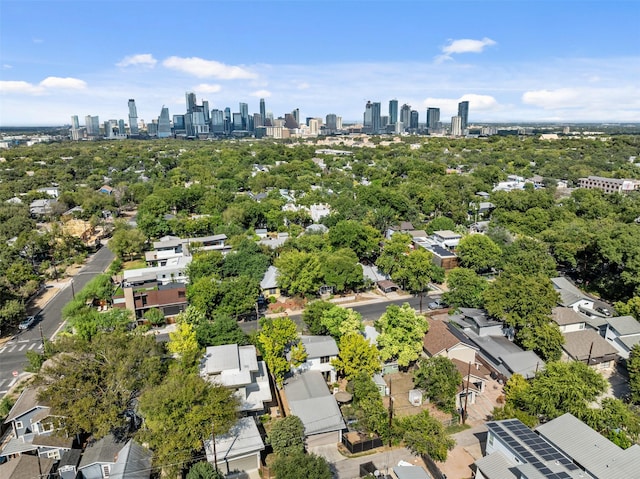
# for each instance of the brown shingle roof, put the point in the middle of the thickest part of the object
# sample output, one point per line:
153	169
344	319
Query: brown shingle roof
478	370
565	316
438	338
578	344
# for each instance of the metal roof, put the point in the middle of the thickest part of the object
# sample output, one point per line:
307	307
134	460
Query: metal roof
495	466
319	346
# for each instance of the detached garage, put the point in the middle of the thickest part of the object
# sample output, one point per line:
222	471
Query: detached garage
238	451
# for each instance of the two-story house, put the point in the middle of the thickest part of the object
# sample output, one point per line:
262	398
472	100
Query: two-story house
623	332
110	458
321	350
237	367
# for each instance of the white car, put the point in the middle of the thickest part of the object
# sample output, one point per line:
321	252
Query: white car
27	323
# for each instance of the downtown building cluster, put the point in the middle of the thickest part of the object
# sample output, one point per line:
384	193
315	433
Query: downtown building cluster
199	121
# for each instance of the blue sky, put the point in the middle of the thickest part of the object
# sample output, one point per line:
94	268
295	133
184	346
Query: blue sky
514	61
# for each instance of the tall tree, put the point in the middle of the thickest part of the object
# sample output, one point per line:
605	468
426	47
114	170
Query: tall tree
299	464
479	253
339	321
423	434
401	333
417	271
287	436
275	339
93	383
393	255
312	316
356	356
466	289
440	380
633	366
362	239
180	413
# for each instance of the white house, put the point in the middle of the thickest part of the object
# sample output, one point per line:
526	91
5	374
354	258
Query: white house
237	453
321	350
623	332
238	368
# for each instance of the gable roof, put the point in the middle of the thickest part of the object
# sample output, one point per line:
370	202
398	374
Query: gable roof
440	338
566	316
587	447
104	450
496	465
242	439
27	401
270	278
133	462
319	346
569	294
25	467
309	399
624	325
587	344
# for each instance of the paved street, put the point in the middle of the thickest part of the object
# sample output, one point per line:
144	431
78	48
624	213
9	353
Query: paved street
13	353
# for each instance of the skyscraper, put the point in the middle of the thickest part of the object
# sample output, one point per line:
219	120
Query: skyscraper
405	116
75	124
463	113
244	114
367	120
433	118
393	111
133	118
376	121
205	110
296	115
191	102
164	127
414	120
456	125
263	111
331	122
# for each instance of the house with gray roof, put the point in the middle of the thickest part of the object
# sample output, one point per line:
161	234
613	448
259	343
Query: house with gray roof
588	449
309	398
623	332
588	347
108	457
572	297
478	321
237	367
26	467
321	350
269	283
237	453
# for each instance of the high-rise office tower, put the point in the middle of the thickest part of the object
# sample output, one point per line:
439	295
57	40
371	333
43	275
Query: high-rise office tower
456	125
164	127
290	121
205	110
217	121
405	116
244	113
263	111
376	120
393	111
268	121
75	124
296	115
331	122
121	128
191	101
178	124
463	113
414	120
338	122
133	118
257	120
237	121
433	118
314	126
368	117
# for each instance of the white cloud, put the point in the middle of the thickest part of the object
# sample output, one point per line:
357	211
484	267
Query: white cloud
6	66
449	106
261	94
208	88
142	59
63	83
467	45
46	85
19	87
201	68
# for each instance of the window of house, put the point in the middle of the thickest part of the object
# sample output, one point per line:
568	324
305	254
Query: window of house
53	454
181	294
324	359
19	425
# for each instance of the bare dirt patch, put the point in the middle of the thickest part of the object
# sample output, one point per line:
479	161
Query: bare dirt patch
400	384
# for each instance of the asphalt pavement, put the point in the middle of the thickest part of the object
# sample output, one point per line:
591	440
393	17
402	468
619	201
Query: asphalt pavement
13	353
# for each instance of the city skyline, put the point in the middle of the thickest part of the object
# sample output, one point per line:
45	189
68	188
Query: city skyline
542	61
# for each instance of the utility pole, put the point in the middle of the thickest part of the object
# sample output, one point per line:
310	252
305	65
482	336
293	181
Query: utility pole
73	291
466	396
390	412
41	336
590	351
213	442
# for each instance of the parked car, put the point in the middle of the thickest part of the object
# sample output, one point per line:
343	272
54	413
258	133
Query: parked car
27	323
436	304
604	311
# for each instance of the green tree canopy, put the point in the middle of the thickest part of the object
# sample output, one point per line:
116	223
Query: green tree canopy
423	434
361	238
203	470
466	289
180	413
440	380
312	316
274	340
299	464
356	356
479	253
287	436
91	383
401	333
339	321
